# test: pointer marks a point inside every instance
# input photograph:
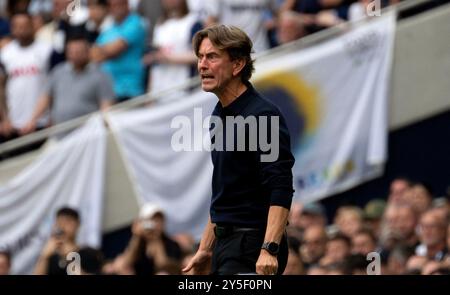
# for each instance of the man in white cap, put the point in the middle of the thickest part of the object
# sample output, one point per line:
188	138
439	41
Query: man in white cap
150	250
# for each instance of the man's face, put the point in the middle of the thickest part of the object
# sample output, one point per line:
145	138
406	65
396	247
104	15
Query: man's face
406	222
119	9
362	244
432	229
68	225
214	66
314	244
397	190
337	250
78	52
418	197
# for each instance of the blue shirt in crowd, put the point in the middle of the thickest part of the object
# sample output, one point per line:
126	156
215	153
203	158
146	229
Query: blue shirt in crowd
126	70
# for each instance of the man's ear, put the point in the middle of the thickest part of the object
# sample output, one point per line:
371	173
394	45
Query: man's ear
238	65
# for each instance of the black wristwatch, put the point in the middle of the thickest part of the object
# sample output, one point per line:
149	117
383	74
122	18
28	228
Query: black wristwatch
271	247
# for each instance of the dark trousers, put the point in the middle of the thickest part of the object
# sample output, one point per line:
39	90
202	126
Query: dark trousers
238	252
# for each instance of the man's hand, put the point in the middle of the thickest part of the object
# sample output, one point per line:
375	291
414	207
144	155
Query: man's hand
97	55
28	128
137	229
161	56
267	264
200	264
53	245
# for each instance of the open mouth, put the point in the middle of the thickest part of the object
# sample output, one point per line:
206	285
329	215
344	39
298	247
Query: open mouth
206	77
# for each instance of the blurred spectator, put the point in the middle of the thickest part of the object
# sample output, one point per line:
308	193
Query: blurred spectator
349	220
318	14
399	227
405	226
248	16
120	49
172	58
388	235
419	196
150	250
39	21
99	20
53	259
364	242
312	214
290	27
397	190
397	261
442	206
337	250
304	216
5	263
313	245
90	89
25	63
373	213
432	233
63	27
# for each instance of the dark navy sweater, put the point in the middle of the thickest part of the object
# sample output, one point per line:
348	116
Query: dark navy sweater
244	186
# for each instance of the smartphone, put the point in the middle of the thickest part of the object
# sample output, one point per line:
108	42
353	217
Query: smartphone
147	225
58	233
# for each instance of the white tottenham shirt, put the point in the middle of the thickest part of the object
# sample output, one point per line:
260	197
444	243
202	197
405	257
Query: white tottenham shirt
247	15
27	69
173	36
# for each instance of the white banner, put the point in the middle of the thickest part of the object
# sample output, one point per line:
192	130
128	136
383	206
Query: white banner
69	173
179	182
334	96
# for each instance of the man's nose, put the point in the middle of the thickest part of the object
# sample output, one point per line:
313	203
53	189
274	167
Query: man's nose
202	63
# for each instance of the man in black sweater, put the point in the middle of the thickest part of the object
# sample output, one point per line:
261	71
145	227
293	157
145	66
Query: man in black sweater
252	178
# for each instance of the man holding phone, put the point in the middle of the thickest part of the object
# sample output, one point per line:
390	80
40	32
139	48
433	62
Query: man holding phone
62	241
150	249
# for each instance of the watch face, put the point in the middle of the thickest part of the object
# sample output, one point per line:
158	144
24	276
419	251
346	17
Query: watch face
273	248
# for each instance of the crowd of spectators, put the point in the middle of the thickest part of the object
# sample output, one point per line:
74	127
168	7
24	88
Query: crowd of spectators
109	51
405	233
409	231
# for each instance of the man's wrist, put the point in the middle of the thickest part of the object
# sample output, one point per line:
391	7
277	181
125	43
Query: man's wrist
271	247
206	250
